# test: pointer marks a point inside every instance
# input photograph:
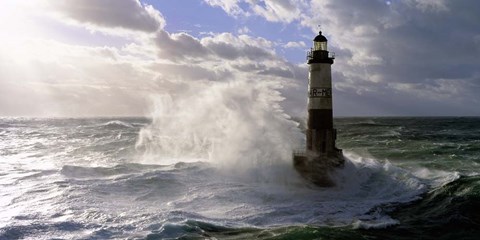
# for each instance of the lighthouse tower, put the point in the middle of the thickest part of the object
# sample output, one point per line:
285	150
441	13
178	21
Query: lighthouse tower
321	155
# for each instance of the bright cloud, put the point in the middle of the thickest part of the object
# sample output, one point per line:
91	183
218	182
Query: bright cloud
108	14
107	57
272	10
68	79
300	44
232	7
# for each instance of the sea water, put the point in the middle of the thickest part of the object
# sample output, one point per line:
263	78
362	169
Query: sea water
161	178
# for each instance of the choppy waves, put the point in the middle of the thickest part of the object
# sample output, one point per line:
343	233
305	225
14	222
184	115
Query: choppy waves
84	179
196	199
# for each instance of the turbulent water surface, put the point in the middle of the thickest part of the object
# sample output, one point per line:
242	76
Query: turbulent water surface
404	178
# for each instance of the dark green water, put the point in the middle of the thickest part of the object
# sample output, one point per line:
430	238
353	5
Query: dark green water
406	178
451	211
452	144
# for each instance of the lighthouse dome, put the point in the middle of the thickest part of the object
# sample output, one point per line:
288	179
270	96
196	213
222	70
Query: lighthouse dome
320	43
320	38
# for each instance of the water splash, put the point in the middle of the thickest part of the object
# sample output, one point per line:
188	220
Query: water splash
237	126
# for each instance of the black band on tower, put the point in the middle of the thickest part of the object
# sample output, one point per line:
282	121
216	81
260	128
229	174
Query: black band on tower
320	119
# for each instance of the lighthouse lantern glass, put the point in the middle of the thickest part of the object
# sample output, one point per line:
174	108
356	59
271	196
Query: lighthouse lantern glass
317	46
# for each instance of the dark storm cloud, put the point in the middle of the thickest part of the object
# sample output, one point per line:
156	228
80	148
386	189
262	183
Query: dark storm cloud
428	46
401	53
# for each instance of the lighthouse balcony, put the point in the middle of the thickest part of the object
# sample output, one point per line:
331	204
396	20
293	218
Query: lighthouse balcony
320	56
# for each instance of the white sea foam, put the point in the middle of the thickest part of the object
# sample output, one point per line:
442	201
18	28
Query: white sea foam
363	186
227	147
240	128
117	123
436	178
236	126
382	222
88	191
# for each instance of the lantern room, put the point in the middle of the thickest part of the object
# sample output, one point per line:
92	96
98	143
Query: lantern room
320	43
319	52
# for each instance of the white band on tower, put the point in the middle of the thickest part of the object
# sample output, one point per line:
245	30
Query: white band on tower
320	86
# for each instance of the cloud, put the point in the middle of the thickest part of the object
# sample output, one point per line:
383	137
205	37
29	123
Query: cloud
272	10
105	15
423	50
188	72
219	57
278	10
179	46
58	79
244	30
232	7
66	79
403	57
300	44
226	46
429	5
225	57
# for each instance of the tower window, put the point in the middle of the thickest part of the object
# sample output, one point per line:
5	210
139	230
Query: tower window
322	46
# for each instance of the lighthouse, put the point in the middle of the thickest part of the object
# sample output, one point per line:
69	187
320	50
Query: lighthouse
321	155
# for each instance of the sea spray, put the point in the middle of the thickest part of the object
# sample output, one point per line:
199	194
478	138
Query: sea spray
236	125
240	128
81	183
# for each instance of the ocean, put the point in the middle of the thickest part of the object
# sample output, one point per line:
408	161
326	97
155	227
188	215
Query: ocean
143	178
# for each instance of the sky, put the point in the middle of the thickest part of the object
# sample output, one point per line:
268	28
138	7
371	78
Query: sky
86	58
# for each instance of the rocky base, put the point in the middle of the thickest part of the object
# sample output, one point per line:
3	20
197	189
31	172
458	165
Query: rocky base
317	169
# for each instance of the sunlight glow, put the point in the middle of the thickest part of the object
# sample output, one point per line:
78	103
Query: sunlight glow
17	19
18	27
